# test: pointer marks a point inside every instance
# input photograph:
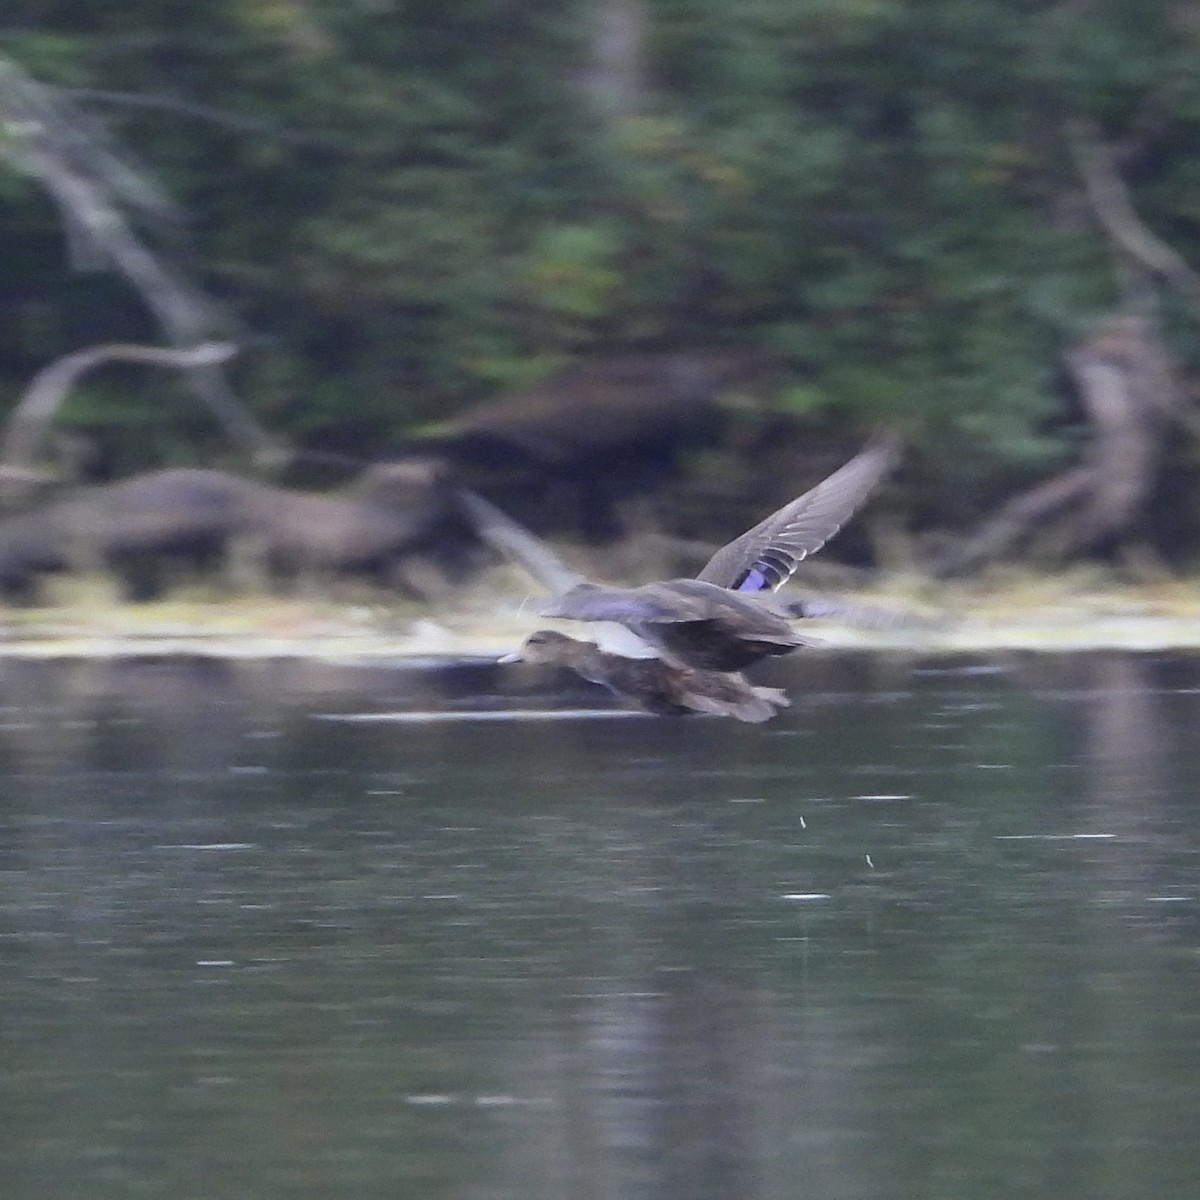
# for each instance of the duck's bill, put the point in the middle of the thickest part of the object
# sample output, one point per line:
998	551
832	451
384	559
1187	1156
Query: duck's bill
513	656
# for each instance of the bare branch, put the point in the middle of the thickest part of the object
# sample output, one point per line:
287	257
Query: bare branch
93	188
33	114
184	313
51	385
1114	210
1125	440
1015	519
205	112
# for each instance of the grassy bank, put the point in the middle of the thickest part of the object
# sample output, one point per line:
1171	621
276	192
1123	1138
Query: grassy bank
1084	609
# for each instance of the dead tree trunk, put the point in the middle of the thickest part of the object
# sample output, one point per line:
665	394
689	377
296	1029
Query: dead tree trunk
1116	372
1110	375
614	82
1126	385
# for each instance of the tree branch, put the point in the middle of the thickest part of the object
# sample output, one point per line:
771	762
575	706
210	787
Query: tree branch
204	112
1016	518
93	187
43	397
1113	209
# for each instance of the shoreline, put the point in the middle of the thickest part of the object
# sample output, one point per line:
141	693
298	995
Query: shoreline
1052	614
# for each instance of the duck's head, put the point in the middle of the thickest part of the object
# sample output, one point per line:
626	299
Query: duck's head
547	646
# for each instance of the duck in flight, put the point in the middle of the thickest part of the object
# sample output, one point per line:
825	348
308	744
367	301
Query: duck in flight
654	684
726	618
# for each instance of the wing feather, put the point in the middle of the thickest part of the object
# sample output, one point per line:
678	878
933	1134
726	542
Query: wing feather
764	557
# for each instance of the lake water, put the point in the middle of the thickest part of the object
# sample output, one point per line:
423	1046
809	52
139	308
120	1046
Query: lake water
281	930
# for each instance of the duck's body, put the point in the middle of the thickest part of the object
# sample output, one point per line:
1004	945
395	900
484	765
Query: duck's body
725	619
652	683
688	621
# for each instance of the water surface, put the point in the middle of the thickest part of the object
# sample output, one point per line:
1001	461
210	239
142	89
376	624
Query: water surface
931	934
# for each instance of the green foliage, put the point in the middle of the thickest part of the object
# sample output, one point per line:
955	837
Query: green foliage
415	204
571	274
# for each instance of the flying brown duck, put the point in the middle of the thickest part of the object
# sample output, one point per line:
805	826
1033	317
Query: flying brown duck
654	684
725	619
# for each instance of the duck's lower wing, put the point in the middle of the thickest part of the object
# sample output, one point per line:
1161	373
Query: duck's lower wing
858	614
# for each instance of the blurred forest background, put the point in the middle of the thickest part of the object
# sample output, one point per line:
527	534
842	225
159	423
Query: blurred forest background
969	219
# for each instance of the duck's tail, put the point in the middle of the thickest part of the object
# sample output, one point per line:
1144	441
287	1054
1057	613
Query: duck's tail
742	701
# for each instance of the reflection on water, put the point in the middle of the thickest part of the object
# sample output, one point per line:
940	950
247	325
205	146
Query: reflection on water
931	934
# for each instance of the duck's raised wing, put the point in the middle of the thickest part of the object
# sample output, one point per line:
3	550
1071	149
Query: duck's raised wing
515	542
765	557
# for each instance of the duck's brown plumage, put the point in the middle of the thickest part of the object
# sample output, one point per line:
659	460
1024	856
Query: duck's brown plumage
653	684
694	623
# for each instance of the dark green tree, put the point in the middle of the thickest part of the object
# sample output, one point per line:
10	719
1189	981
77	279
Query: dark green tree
405	207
